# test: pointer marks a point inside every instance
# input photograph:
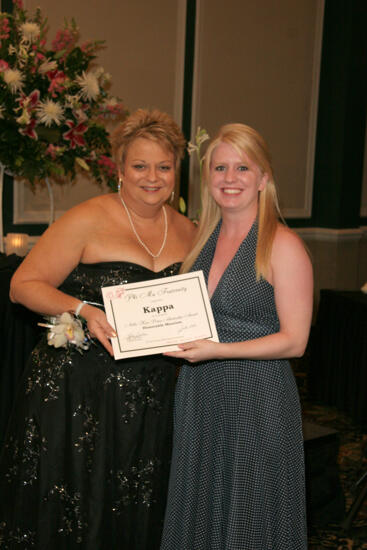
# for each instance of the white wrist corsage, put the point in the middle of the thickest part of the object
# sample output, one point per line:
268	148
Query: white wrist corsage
65	330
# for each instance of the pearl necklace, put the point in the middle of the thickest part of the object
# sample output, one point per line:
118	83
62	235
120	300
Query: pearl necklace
136	233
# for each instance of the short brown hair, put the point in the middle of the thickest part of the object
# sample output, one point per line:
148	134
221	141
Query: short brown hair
154	125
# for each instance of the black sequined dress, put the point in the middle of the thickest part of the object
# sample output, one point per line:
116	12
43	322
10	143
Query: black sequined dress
86	460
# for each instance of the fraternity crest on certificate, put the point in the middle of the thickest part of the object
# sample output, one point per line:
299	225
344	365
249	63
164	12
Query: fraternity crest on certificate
154	316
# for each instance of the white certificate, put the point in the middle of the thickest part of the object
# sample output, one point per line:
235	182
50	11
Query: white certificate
154	316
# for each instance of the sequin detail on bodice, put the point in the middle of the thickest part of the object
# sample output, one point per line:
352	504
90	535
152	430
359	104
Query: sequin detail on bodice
86	280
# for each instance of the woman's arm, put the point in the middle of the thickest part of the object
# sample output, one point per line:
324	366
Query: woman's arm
292	279
59	250
46	266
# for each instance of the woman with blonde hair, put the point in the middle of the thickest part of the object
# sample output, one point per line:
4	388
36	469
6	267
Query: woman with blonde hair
86	461
237	474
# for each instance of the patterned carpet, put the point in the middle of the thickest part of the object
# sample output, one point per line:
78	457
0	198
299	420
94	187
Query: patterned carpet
352	462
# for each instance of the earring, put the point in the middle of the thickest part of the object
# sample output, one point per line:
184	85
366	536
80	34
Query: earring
172	196
119	185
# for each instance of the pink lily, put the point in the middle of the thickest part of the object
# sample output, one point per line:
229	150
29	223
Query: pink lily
29	130
55	74
29	102
75	134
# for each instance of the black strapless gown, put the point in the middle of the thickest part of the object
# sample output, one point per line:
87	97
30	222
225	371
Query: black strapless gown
86	459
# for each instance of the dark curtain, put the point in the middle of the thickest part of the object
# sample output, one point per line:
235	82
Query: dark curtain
19	334
338	371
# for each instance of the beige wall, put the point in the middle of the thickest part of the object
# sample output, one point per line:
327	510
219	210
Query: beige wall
258	63
339	258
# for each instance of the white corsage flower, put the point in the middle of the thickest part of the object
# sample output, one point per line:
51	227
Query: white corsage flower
65	329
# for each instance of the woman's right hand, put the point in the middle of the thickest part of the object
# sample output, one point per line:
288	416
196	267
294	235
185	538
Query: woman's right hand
98	326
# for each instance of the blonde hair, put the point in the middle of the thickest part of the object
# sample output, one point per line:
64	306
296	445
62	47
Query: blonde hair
243	139
154	125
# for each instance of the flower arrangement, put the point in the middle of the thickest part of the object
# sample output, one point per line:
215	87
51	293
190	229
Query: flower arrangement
53	102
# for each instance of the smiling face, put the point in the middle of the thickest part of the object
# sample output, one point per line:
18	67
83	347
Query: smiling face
235	180
148	172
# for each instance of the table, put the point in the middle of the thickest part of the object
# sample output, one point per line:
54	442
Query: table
324	493
338	362
19	334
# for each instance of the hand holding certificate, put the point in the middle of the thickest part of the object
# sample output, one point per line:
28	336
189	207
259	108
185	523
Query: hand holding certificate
154	316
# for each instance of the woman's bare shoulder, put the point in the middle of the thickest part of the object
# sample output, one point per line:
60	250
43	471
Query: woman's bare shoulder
284	236
88	211
182	223
62	245
287	243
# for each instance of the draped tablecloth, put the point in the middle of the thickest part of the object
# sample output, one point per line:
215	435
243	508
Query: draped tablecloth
338	369
19	334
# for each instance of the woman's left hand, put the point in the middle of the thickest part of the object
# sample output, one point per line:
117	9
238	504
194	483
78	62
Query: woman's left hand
199	350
